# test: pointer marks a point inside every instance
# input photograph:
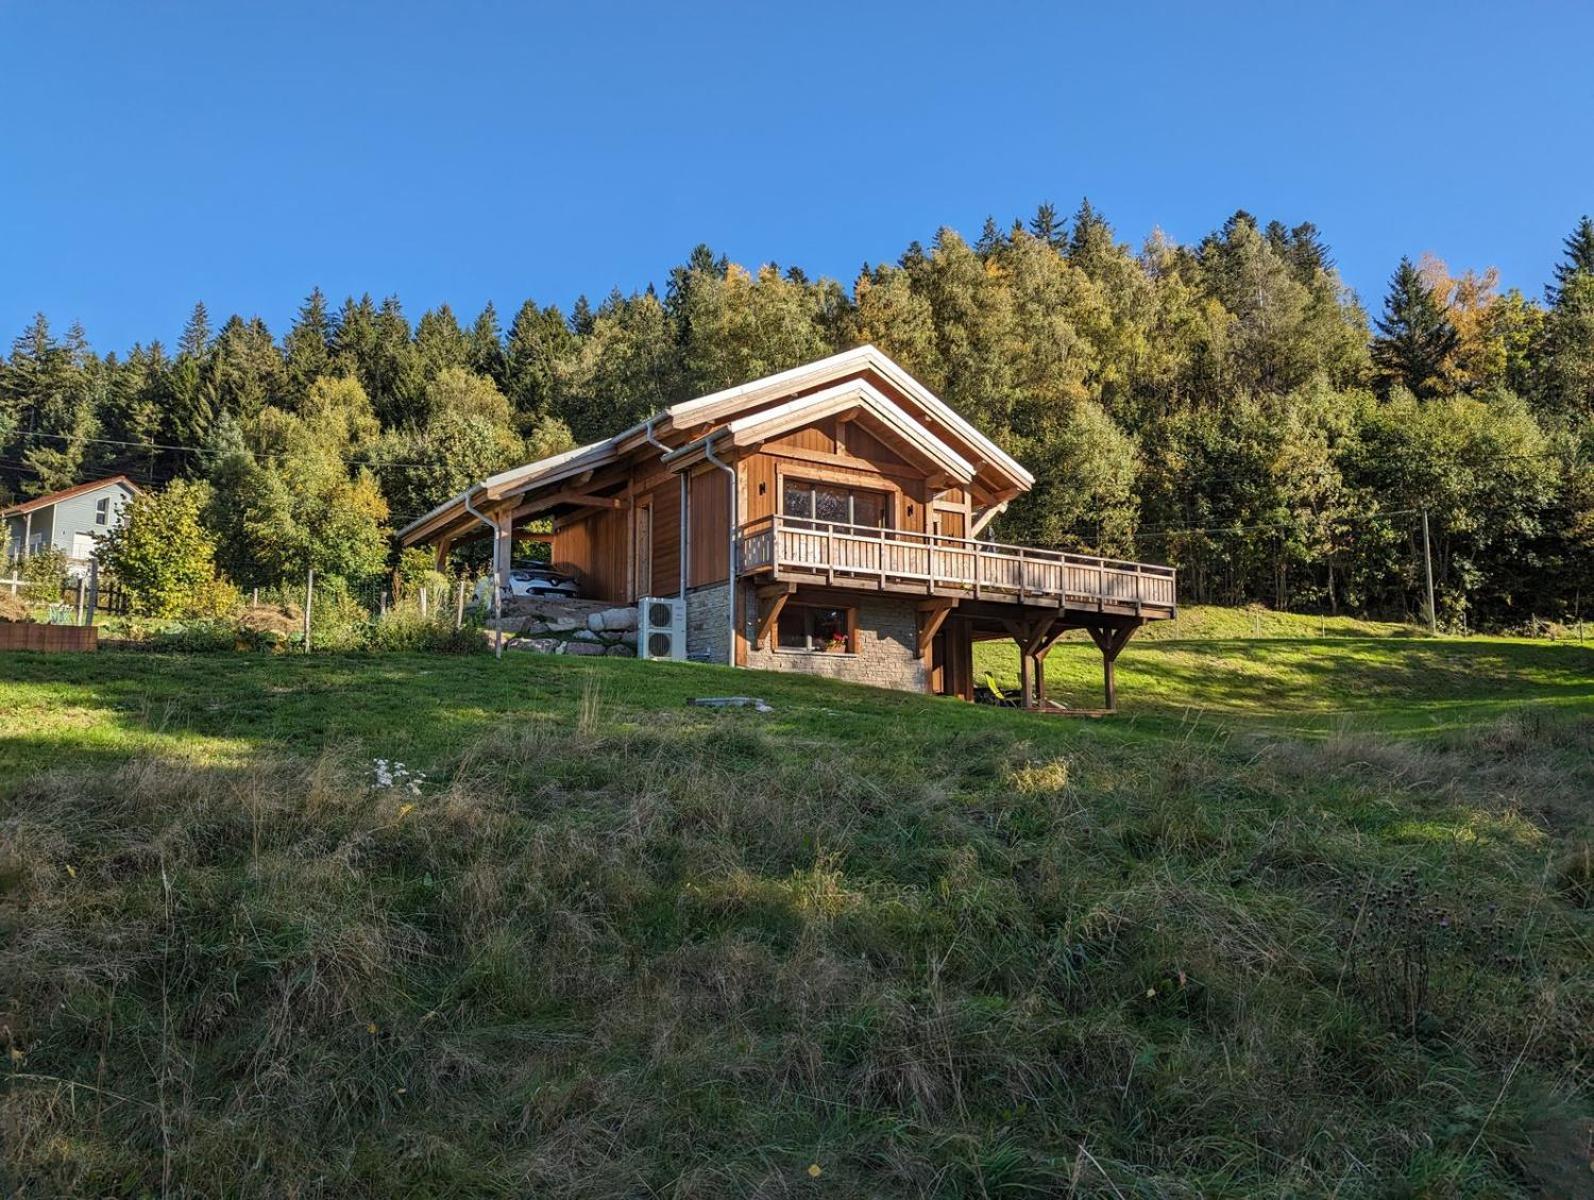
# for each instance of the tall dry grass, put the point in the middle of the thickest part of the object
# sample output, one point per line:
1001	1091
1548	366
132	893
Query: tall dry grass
701	960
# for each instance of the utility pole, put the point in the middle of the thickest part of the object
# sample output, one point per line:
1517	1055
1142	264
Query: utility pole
1427	570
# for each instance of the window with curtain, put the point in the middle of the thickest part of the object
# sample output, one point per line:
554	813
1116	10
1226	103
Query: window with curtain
810	627
835	505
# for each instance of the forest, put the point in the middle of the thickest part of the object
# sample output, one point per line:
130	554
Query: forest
1229	407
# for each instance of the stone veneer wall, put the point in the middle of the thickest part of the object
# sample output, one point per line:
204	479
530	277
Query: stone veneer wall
888	631
887	637
705	623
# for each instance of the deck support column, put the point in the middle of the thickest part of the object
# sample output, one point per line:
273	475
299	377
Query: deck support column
1110	640
1031	636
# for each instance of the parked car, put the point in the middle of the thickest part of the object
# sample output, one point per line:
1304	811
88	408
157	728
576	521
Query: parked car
539	579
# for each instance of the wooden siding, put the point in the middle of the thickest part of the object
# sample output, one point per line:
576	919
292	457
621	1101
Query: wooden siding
596	549
666	498
709	518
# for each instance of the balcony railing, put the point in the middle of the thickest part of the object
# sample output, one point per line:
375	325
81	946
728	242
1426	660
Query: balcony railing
861	556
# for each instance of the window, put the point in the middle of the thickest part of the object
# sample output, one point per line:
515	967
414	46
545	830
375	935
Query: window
102	509
835	505
822	630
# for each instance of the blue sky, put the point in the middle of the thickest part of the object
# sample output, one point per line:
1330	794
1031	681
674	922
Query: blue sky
154	154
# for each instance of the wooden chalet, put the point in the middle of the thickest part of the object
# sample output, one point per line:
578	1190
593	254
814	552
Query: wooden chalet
827	519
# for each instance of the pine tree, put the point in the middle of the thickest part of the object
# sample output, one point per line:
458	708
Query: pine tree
195	341
1308	253
539	342
1415	337
440	343
1049	227
582	317
1579	251
991	239
308	346
486	346
1090	239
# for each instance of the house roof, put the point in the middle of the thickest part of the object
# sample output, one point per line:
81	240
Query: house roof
863	397
38	502
935	430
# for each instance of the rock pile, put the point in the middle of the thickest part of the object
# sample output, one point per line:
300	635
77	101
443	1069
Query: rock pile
572	628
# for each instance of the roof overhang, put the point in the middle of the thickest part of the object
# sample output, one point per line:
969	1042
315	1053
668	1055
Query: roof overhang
931	431
970	442
38	502
857	399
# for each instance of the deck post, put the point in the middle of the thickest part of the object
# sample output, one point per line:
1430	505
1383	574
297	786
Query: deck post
1110	640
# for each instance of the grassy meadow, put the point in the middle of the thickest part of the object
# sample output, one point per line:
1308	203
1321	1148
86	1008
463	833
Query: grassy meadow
1314	915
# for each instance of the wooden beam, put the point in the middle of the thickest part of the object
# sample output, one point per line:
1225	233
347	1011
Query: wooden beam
771	600
1111	641
932	615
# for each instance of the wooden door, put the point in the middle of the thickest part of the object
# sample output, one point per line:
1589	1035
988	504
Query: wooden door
644	550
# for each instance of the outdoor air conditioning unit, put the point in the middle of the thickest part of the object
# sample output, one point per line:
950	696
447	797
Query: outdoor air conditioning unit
661	627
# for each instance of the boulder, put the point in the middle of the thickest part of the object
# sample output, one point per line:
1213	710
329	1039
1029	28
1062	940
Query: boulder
612	620
620	651
628	638
561	624
585	635
575	647
536	645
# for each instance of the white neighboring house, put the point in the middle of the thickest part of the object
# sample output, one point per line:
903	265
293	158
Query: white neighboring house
68	520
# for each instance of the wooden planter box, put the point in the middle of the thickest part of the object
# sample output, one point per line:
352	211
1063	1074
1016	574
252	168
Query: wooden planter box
31	635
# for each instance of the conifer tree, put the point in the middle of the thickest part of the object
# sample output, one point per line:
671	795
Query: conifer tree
486	346
1049	227
539	341
1415	337
990	240
1579	257
1090	237
582	317
307	348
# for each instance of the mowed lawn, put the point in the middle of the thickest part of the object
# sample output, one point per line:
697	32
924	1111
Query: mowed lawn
1309	675
1301	675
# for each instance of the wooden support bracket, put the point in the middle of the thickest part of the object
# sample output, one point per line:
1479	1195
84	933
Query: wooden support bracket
772	598
932	615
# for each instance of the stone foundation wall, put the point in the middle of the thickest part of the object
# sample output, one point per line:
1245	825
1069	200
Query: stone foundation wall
706	632
885	657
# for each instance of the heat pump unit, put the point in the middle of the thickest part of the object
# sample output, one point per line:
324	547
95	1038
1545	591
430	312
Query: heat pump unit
661	627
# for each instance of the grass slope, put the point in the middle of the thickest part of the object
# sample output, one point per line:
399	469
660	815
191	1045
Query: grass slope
867	945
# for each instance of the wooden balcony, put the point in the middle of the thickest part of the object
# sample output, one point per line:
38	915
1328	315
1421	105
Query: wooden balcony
863	558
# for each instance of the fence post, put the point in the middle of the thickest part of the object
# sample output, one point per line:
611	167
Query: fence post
309	596
82	597
424	590
94	588
1427	570
459	606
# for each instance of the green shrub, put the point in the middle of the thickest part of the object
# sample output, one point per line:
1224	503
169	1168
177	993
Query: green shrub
164	556
338	621
406	630
44	571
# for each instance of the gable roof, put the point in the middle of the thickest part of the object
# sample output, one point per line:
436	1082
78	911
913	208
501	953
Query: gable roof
38	502
934	429
856	395
716	405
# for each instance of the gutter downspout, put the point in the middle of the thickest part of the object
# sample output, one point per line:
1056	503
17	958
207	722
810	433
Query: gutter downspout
498	581
730	552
